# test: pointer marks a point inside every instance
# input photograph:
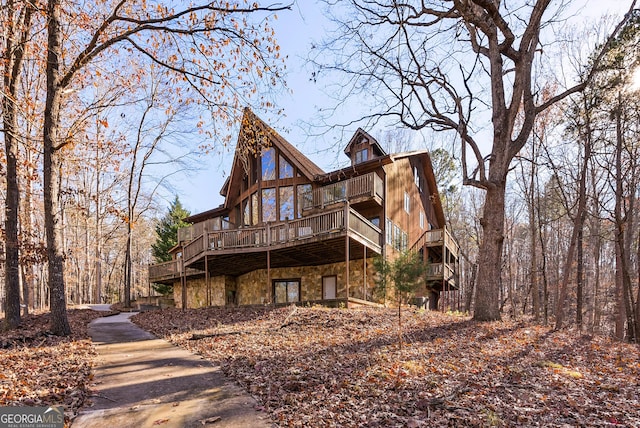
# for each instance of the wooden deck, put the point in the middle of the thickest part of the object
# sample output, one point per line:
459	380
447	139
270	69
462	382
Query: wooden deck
312	240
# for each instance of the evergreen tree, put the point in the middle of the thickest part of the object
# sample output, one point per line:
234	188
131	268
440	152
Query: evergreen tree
167	231
404	275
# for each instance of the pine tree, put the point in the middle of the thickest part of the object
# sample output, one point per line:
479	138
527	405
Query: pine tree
405	274
167	231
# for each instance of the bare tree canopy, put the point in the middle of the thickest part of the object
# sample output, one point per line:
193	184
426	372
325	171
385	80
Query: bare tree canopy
457	66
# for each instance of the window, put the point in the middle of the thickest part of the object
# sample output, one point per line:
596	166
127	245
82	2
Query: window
246	212
255	217
269	164
285	170
405	241
397	237
421	219
407	202
375	221
286	203
389	231
416	178
268	205
362	155
305	198
286	290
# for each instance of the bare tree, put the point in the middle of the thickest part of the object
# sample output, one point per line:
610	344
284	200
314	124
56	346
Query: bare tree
16	20
189	43
428	64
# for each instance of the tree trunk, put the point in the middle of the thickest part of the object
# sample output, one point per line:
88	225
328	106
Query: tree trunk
579	278
12	202
471	288
490	255
52	179
127	269
16	36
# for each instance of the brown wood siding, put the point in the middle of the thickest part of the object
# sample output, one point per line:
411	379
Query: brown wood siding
400	179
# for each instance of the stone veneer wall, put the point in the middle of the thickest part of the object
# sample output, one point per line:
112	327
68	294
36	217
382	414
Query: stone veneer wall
253	289
197	292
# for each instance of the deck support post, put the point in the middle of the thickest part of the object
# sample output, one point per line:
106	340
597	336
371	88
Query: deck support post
364	271
183	280
207	284
269	287
346	249
207	279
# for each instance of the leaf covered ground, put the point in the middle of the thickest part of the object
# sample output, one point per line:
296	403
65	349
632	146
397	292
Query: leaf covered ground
40	369
321	367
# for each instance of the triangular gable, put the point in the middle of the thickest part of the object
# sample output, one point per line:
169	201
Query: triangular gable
254	136
361	135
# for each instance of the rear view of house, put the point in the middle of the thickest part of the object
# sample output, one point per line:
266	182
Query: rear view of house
289	232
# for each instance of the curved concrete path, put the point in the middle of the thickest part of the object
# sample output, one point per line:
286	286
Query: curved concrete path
142	381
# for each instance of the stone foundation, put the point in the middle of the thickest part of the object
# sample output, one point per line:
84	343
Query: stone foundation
254	288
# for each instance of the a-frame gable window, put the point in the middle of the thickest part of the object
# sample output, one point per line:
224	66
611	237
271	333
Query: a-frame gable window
269	164
286	203
285	168
269	204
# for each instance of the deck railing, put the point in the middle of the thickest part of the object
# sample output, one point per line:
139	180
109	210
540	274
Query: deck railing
186	234
284	233
168	270
437	237
364	185
440	271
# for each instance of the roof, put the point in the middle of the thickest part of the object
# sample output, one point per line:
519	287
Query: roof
304	164
361	134
254	136
255	130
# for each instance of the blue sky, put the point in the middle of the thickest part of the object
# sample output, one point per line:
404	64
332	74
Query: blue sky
296	31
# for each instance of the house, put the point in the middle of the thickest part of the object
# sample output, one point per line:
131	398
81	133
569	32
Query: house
289	232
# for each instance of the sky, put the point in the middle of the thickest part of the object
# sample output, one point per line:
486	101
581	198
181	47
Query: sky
296	31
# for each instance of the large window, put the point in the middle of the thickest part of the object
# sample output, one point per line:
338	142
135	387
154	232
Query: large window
255	218
305	198
397	237
246	212
286	203
285	169
286	290
269	164
269	204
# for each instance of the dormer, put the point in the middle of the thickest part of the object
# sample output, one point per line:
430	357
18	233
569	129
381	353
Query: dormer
363	147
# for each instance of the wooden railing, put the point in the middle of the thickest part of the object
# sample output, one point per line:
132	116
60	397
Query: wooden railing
437	237
168	270
364	228
284	233
440	271
364	185
186	234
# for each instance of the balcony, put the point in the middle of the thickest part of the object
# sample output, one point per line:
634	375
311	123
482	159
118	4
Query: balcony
364	188
442	252
311	240
170	270
282	234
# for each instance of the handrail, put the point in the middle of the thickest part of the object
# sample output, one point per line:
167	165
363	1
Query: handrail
363	185
170	269
283	233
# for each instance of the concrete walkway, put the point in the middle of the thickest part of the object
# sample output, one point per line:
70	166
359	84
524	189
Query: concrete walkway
142	381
